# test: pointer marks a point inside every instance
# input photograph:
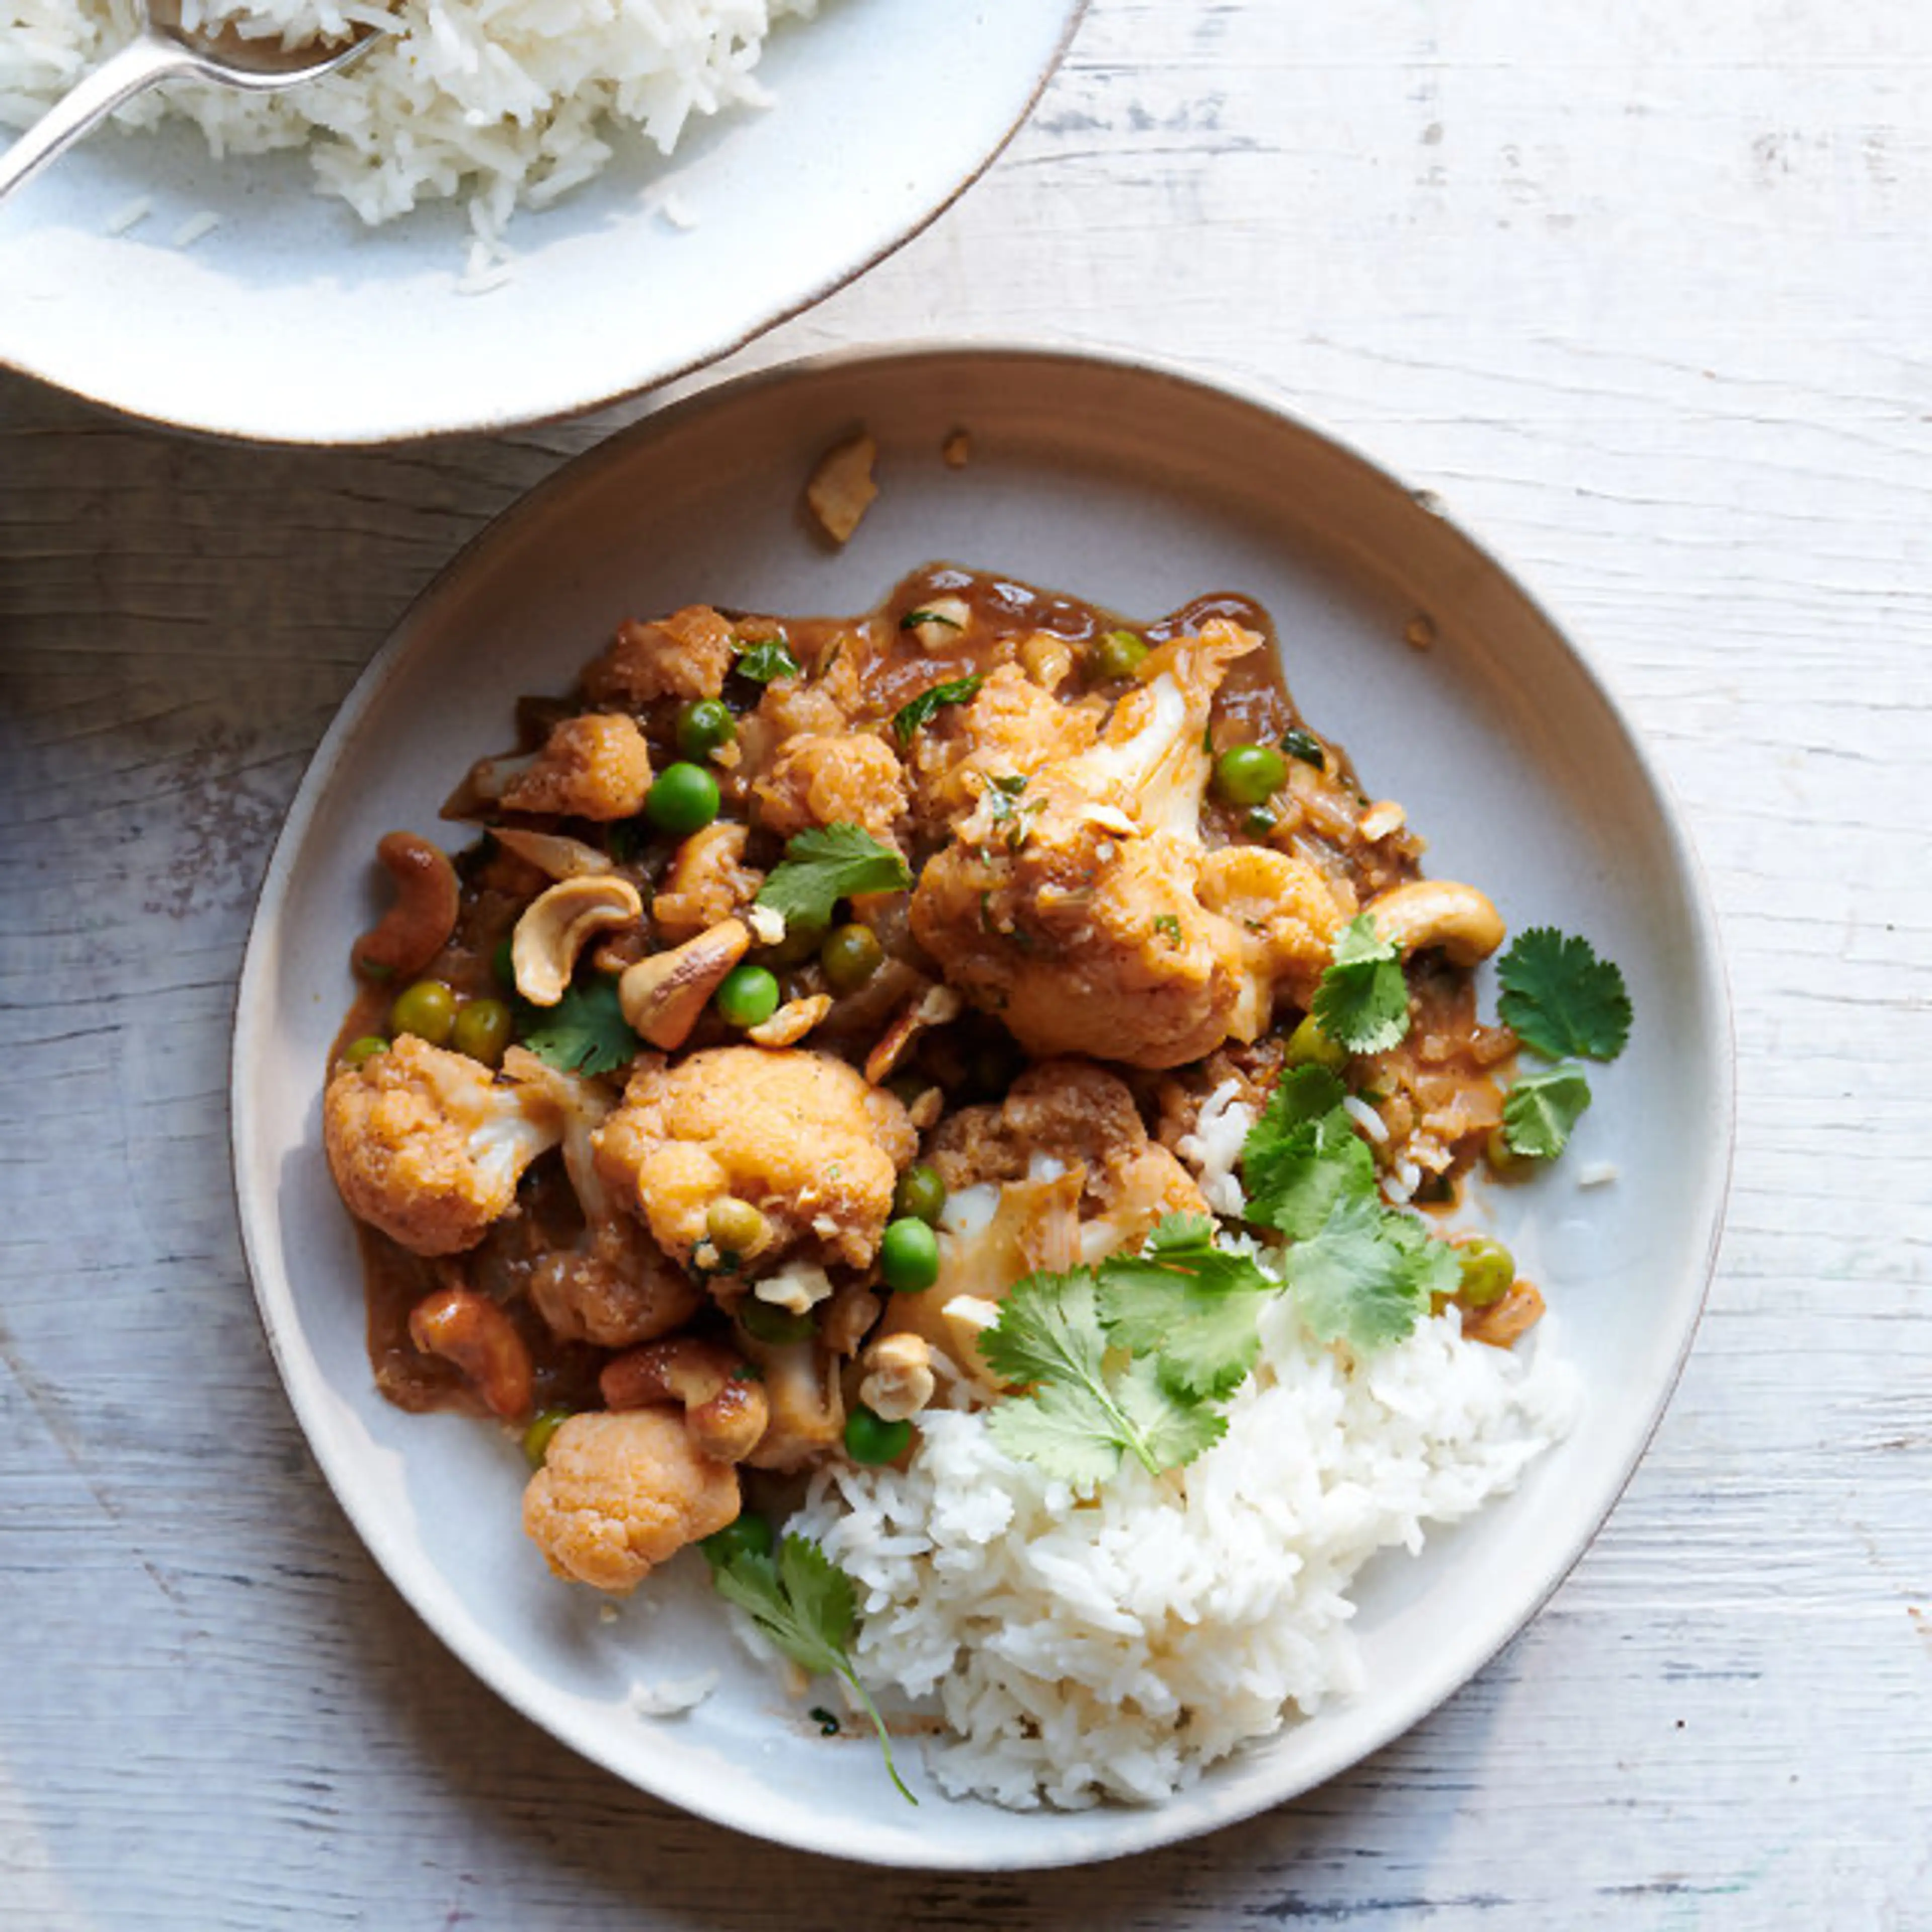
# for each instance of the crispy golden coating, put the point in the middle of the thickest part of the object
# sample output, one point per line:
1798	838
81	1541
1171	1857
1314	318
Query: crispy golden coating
1069	902
597	767
428	1146
827	778
1012	727
619	1494
686	654
708	881
799	1135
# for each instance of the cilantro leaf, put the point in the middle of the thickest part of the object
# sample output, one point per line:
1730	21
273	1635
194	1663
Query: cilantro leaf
806	1605
1362	1001
1303	1155
826	864
763	660
1559	998
908	718
1083	1413
1541	1109
1185	1302
1367	1276
585	1032
912	620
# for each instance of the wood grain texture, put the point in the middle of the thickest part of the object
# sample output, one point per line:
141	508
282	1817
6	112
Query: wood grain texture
1641	294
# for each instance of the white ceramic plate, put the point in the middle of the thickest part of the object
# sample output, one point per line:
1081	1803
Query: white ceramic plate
292	321
1137	489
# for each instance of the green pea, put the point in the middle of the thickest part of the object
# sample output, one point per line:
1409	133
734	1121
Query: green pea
1249	774
366	1048
851	955
765	1322
482	1030
921	1194
747	1534
872	1439
427	1009
1119	654
1489	1271
683	799
909	1256
747	997
1308	1046
705	725
735	1227
538	1433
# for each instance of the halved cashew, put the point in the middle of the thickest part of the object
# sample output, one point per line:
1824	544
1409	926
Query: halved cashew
791	1022
840	489
471	1330
967	1317
898	1379
552	854
663	995
937	1006
725	1411
418	926
1439	913
556	925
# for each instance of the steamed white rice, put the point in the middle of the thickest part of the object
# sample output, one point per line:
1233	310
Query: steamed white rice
503	102
1083	1648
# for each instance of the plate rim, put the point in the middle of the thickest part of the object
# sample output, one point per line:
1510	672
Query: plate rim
98	391
581	472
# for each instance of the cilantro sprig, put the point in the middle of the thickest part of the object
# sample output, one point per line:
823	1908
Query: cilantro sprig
763	660
585	1032
826	864
806	1605
909	717
1303	1155
1362	1002
1189	1304
1563	1003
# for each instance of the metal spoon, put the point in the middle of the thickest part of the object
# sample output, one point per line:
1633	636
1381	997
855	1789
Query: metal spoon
166	50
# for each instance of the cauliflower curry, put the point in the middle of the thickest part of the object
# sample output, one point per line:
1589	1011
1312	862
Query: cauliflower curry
809	982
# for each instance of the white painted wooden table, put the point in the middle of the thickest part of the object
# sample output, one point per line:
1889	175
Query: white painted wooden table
1644	293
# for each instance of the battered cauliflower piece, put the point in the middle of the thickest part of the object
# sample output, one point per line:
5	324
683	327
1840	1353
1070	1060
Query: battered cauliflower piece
597	767
799	1135
1067	903
686	654
1012	727
708	882
827	779
429	1145
619	1493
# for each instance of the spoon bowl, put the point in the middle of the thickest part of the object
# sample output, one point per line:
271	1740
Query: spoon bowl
165	50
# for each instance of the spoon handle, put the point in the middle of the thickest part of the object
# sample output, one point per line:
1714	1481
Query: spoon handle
146	59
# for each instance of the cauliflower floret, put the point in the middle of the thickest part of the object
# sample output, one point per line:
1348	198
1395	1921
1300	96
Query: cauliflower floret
1012	728
619	1493
597	767
708	882
428	1145
1286	914
799	1135
1068	903
828	778
686	654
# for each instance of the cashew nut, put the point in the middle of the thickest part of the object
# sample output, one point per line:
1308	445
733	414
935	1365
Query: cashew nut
725	1411
471	1330
1438	913
898	1379
663	995
937	1006
840	489
791	1022
552	853
557	924
418	926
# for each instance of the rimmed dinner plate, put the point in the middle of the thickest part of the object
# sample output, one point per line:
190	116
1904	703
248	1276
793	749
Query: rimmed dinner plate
291	321
1133	487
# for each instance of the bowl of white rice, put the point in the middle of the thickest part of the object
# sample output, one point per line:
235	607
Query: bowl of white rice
508	211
